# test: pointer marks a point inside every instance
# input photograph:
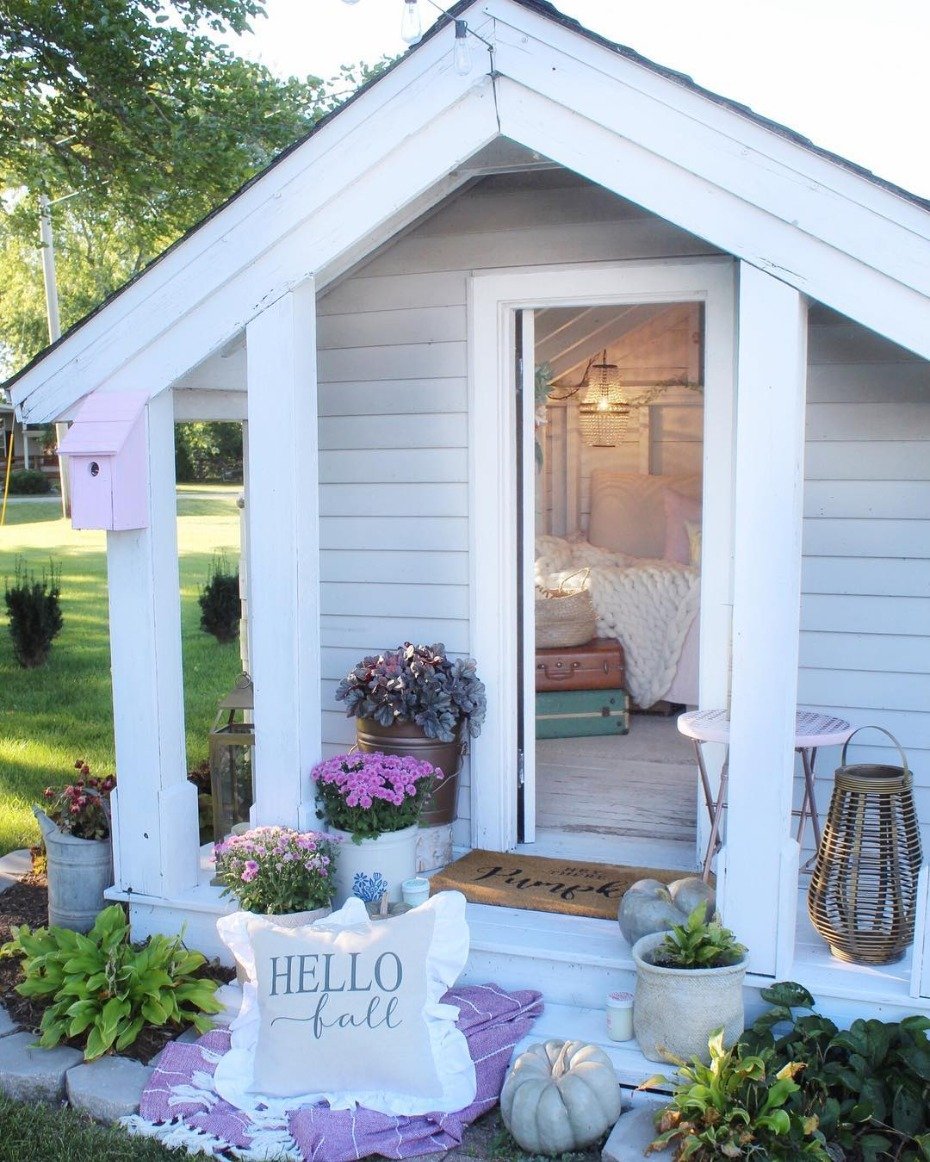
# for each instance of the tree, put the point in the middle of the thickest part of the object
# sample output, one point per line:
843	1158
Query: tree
133	107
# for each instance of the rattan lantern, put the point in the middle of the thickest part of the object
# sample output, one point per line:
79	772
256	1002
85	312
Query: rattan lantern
231	749
863	894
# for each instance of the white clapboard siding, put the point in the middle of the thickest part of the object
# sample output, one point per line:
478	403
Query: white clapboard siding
396	567
367	634
849	343
873	459
362	295
429	359
401	432
859	383
865	616
894	499
398	397
389	499
906	577
443	534
394	465
572	242
380	600
867	538
872	651
391	328
842	613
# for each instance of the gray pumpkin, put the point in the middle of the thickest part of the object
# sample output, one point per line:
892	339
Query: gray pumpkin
650	906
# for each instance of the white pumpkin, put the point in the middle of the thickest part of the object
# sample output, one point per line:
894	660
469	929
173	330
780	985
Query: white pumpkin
560	1096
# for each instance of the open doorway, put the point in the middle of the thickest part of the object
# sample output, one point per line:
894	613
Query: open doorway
611	463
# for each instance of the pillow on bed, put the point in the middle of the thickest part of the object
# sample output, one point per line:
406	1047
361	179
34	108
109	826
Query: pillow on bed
679	511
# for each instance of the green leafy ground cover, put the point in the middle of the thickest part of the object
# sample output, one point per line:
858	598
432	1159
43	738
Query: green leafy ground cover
51	716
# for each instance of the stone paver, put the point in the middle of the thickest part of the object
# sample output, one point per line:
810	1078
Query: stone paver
109	1088
7	1024
630	1137
29	1074
13	866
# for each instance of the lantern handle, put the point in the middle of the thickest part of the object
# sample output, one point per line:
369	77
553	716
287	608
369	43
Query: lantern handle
884	731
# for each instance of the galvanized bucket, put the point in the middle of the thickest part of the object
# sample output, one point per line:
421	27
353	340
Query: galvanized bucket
862	897
78	871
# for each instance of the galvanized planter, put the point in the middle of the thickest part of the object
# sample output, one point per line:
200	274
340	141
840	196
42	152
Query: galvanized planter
78	871
862	897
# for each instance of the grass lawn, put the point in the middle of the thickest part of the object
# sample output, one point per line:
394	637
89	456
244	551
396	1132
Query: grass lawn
63	711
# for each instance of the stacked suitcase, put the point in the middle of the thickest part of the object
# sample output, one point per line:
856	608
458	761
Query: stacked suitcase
579	691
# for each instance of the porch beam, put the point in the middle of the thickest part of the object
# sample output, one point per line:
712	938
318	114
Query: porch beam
769	485
282	489
155	832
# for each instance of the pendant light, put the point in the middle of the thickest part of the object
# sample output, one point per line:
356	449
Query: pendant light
604	411
462	51
411	27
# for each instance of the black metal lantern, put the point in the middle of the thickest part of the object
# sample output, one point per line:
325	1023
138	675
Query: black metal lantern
232	744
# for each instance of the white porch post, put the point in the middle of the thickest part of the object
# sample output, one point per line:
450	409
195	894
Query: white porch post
282	506
156	842
769	484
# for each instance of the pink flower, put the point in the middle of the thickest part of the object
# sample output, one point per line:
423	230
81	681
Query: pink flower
250	871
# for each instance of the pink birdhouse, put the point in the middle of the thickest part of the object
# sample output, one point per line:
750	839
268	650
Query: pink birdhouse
107	451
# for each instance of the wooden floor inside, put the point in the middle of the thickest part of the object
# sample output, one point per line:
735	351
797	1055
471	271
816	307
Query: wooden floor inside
628	799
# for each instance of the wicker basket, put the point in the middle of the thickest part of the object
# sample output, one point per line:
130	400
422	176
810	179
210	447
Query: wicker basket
564	616
863	895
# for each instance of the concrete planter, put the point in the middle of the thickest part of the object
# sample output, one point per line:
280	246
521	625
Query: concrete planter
675	1010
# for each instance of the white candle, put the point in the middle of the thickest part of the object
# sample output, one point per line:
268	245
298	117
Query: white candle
620	1016
415	891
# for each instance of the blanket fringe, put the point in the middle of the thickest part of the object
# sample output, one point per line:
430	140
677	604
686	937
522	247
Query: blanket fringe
267	1144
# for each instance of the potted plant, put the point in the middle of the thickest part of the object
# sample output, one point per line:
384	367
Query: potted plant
276	871
415	700
372	803
75	824
689	982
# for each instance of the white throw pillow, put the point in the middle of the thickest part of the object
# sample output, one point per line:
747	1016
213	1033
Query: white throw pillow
348	1010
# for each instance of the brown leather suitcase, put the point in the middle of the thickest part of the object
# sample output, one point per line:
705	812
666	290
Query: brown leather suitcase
598	665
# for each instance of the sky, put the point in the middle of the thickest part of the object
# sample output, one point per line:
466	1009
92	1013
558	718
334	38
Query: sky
852	75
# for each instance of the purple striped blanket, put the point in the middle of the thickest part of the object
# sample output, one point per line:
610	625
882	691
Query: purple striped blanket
180	1107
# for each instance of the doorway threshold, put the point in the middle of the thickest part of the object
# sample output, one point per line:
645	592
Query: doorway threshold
609	847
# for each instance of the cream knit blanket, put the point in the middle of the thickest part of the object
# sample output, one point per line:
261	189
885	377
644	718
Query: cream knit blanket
647	605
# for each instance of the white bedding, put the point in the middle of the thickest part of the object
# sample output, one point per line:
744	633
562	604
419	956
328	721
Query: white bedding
648	605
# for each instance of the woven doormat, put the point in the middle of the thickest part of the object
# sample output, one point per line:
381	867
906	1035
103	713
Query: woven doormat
544	885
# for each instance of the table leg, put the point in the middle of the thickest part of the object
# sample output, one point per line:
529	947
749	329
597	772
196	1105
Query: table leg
713	841
809	802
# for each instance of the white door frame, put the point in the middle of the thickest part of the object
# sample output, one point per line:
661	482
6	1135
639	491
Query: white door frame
493	296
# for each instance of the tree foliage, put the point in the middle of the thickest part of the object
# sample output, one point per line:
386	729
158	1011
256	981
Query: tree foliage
136	114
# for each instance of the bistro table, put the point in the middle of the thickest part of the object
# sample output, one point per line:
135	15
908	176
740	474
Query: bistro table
811	731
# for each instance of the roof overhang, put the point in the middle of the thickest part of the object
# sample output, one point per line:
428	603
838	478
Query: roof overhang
405	144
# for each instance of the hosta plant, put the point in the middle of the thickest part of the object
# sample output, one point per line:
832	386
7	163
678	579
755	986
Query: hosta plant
102	991
735	1107
698	943
868	1085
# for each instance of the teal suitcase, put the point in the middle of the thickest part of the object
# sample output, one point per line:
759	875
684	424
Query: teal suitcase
577	713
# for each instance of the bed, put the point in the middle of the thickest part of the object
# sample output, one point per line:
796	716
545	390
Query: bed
641	563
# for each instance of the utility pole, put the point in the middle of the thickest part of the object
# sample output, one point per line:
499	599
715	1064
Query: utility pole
54	326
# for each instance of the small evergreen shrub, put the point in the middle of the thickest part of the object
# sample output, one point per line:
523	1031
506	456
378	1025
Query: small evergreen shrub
29	482
34	612
220	607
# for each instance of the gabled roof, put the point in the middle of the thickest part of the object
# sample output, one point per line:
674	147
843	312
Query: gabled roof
711	154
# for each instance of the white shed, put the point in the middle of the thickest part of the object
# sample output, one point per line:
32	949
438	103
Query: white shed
360	305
